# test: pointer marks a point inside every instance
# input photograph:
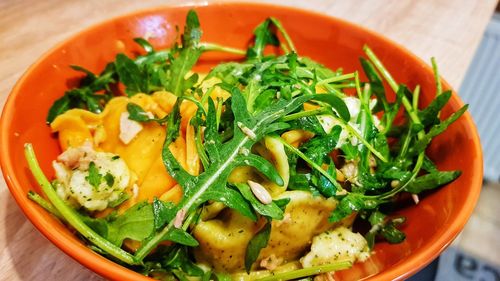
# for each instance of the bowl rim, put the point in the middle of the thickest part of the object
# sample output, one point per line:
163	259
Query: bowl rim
399	271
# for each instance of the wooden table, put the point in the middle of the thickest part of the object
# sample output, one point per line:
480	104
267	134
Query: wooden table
449	30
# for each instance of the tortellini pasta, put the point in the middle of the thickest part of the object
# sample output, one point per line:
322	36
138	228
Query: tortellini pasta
221	238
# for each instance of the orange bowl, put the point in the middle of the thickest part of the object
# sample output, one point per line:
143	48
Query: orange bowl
431	225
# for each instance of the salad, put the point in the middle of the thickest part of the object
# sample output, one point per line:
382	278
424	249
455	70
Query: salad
260	169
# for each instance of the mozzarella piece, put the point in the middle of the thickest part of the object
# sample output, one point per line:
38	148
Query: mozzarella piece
74	187
339	244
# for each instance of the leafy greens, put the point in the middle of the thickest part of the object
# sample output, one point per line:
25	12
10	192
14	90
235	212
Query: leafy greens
269	95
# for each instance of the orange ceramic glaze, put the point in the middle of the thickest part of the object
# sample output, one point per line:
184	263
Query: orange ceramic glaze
431	225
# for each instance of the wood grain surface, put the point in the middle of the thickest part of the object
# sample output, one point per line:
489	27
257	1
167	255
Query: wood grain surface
449	30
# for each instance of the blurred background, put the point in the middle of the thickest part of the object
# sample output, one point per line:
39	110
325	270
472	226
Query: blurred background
475	254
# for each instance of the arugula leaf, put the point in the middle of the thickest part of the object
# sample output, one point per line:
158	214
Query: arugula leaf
395	173
376	85
308	123
300	181
429	116
263	166
156	61
99	225
352	202
376	220
85	96
60	106
97	82
386	227
230	198
431	181
256	244
429	166
130	75
393	109
288	40
349	150
392	234
264	99
136	113
178	70
163	212
144	44
180	236
212	138
275	128
178	258
263	36
369	132
322	72
371	182
146	74
324	185
89	75
282	203
188	56
192	31
437	129
336	103
380	143
173	167
268	210
318	148
136	223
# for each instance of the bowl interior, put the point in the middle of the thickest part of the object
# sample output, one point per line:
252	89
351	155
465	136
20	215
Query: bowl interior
431	224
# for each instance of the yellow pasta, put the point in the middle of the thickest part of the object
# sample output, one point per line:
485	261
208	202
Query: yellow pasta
143	153
74	127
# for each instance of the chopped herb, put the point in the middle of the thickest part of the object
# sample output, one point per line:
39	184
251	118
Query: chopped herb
94	178
110	179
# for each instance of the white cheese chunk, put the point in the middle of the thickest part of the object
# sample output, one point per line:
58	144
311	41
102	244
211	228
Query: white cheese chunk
340	244
111	177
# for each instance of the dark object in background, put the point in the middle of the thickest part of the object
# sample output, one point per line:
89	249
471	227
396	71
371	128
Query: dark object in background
457	265
426	274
